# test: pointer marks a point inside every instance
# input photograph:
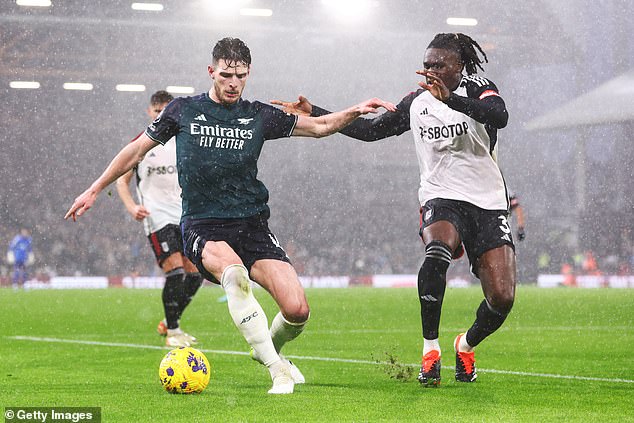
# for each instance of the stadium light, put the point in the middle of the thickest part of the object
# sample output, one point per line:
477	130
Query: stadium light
130	87
462	21
26	85
35	3
176	89
152	7
78	86
256	12
350	10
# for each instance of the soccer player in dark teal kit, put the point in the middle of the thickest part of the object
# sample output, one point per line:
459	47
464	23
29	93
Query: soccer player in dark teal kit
219	137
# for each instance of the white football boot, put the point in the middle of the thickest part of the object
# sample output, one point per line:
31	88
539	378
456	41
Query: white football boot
297	376
178	338
282	381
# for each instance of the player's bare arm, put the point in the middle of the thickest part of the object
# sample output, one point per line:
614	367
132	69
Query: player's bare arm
137	211
125	160
329	124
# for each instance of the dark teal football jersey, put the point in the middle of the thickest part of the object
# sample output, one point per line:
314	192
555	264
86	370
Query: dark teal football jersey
217	150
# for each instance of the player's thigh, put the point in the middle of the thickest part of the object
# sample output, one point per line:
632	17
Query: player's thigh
216	256
280	280
441	221
178	260
172	262
498	275
189	266
443	231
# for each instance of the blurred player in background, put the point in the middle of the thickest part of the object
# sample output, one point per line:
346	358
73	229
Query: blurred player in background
20	255
219	137
516	208
464	204
160	211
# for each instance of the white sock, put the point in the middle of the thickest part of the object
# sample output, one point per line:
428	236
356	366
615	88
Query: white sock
463	346
430	344
283	331
247	313
172	332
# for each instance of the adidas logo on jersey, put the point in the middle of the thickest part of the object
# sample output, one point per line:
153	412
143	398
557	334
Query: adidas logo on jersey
201	117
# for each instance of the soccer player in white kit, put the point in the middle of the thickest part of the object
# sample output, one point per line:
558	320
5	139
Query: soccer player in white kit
464	200
159	209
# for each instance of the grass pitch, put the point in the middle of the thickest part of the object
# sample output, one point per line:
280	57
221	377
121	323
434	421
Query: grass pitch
562	355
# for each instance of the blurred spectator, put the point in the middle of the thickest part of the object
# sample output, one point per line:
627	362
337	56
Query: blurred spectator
20	254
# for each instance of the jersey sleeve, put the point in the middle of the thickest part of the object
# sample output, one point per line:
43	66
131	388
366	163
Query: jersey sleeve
277	124
380	127
483	102
165	126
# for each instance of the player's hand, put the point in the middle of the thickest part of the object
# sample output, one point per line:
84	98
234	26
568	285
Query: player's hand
372	106
521	235
434	85
301	107
139	212
81	204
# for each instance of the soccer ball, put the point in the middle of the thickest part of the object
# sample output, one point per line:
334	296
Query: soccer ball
184	370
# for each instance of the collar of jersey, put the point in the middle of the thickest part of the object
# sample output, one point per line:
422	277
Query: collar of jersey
208	97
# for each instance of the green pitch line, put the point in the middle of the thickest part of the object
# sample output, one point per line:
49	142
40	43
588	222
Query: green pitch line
302	357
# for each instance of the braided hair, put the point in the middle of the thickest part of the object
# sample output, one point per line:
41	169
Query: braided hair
465	46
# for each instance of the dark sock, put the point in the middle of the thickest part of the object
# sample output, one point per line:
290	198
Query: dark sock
432	281
487	321
192	282
172	293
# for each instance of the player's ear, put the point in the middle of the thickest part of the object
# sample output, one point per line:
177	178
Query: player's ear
210	71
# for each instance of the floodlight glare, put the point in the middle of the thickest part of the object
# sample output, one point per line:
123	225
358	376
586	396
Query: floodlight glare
130	87
152	7
462	21
176	89
35	3
79	86
27	85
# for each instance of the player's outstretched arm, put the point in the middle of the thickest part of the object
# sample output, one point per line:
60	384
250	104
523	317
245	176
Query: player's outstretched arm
125	160
329	124
368	130
489	110
137	211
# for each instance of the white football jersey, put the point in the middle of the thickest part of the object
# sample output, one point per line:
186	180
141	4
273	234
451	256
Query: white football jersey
157	187
456	155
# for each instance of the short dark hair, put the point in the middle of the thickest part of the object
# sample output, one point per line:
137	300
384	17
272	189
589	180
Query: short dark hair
465	46
161	97
232	50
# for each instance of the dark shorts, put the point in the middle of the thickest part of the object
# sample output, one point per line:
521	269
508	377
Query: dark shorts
249	237
165	242
480	230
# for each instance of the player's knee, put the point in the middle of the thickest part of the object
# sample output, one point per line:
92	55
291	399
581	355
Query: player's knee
433	271
297	313
502	301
